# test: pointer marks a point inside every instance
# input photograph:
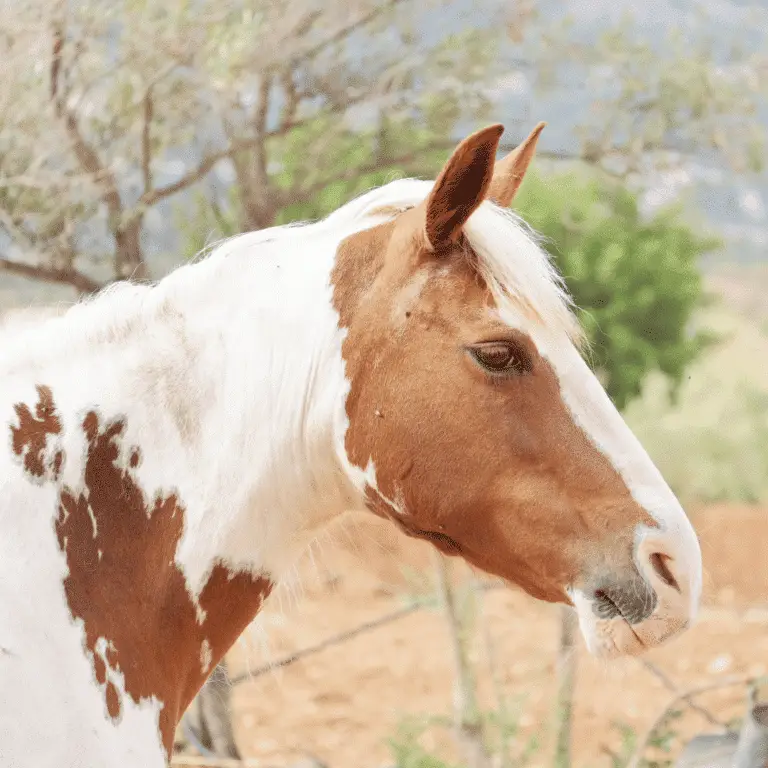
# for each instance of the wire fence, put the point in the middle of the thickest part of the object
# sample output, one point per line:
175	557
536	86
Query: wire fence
681	697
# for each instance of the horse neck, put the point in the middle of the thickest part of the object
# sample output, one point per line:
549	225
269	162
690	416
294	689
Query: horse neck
270	387
213	457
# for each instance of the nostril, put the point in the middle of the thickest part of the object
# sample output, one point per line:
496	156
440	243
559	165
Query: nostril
659	563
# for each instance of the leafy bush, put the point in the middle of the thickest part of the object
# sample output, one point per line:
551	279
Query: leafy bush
713	446
636	281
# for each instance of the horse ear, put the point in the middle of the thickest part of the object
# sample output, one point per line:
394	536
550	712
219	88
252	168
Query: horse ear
461	186
509	172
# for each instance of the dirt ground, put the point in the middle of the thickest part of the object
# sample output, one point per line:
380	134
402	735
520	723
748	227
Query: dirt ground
341	704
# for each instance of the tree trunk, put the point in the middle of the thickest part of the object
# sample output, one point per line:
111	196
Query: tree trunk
207	724
257	213
569	627
467	719
129	257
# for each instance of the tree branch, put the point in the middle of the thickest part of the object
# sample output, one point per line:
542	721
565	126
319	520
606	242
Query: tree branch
260	128
683	696
86	155
15	229
151	198
566	683
329	642
146	141
353	173
147	200
342	637
344	31
207	164
72	277
92	165
304	26
672	688
467	719
292	98
58	44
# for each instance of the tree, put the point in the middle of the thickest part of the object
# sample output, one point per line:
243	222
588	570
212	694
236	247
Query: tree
635	279
131	103
658	98
124	92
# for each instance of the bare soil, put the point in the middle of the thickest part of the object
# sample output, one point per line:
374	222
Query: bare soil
341	704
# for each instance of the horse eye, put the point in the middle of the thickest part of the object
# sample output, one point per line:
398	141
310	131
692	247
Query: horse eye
501	357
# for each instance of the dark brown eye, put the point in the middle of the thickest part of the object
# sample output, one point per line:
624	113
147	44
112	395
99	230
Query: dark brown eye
501	357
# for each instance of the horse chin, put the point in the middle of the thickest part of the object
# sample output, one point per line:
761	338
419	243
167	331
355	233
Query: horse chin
608	638
616	637
612	639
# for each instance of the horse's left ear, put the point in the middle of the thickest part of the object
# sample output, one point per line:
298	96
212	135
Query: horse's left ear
461	186
509	172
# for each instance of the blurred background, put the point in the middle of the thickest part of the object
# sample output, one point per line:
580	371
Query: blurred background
135	133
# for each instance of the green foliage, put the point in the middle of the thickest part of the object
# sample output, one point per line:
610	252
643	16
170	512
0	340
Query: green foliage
352	164
502	728
499	727
715	446
663	741
406	747
636	281
660	744
621	758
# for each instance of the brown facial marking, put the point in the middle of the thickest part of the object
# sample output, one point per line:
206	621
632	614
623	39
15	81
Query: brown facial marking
29	439
123	582
497	467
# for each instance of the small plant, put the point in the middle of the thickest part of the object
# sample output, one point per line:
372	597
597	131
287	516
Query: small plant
499	727
419	588
661	741
406	746
621	758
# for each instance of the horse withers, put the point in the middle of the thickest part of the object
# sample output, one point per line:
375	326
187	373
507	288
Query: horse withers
171	449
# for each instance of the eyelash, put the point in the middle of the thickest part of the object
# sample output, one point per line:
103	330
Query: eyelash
520	366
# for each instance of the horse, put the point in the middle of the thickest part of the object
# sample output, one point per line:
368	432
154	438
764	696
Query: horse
171	449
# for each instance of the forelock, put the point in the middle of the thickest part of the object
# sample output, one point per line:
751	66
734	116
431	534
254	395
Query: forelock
510	258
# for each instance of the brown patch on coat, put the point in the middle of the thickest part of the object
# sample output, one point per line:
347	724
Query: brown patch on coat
124	584
492	468
30	438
